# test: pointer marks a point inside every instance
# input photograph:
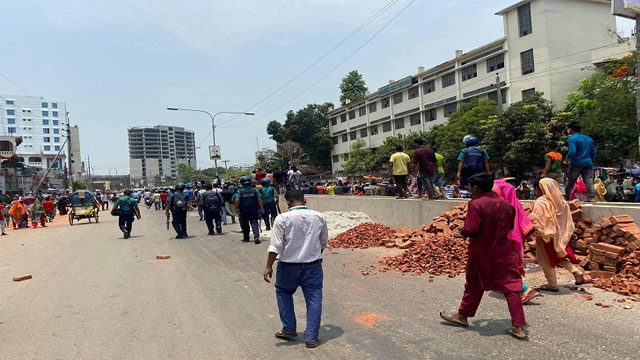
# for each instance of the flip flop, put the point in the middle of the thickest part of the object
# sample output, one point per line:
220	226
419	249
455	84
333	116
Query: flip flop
584	281
546	287
281	334
533	294
525	338
312	344
451	321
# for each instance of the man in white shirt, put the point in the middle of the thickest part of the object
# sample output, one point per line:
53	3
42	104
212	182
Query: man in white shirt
297	240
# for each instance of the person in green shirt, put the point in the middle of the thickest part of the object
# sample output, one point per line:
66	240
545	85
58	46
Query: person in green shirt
270	199
439	179
128	207
248	202
399	169
553	164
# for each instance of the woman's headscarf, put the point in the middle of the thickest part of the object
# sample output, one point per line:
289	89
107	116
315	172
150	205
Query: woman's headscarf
551	217
17	210
522	225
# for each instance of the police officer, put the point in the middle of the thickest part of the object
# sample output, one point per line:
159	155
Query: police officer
472	160
270	197
248	202
211	202
178	204
128	208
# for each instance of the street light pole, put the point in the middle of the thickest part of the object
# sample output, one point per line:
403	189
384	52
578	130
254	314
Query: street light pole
213	124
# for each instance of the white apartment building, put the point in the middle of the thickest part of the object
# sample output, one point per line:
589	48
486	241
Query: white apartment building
159	150
41	123
548	46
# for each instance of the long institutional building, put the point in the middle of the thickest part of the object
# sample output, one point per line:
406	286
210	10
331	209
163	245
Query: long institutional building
159	150
546	47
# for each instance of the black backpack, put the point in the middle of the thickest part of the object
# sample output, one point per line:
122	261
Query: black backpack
212	201
179	201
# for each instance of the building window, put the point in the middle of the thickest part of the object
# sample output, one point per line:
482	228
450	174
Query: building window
526	62
374	130
352	115
56	131
528	92
469	72
524	19
46	139
494	96
414	119
54	105
399	123
47	148
55	122
448	80
450	108
336	158
45	122
54	113
11	130
45	113
495	63
45	105
386	127
430	115
11	120
56	148
362	111
373	107
385	103
397	98
56	139
334	140
429	87
363	132
45	130
334	121
353	135
11	112
345	157
413	92
10	102
343	117
345	137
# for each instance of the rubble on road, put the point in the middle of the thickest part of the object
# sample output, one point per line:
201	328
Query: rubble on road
363	236
430	254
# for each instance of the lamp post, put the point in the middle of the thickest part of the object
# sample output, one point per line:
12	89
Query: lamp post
213	123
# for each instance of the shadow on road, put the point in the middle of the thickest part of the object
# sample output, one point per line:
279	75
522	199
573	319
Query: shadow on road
491	327
327	333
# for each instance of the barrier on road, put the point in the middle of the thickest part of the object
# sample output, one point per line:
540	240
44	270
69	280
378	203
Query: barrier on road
413	213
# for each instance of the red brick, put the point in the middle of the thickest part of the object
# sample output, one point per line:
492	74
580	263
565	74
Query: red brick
596	274
163	257
609	268
22	277
618	250
620	219
593	265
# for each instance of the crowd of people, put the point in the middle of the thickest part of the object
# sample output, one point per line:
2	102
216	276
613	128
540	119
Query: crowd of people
22	212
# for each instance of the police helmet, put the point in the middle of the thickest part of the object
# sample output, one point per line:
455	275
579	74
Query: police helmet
127	192
265	182
245	180
180	186
470	140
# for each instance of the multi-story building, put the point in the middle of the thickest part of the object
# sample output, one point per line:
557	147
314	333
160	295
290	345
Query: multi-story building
42	124
159	150
548	46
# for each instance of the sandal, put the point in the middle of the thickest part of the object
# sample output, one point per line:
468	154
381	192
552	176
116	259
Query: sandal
450	320
311	344
281	334
531	295
547	287
513	335
580	279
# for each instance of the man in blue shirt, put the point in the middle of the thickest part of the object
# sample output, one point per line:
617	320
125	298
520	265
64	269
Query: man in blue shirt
582	153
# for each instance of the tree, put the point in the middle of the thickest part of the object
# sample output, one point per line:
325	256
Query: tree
275	129
360	160
352	87
78	185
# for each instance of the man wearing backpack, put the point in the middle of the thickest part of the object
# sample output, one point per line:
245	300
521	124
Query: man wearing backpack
472	160
211	202
248	202
269	196
128	207
178	204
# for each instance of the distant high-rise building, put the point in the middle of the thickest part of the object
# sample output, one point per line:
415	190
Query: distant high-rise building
41	123
159	150
75	157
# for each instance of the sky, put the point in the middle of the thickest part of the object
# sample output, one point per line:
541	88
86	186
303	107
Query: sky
119	64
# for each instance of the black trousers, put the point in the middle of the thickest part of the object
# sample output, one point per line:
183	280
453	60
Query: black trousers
270	212
210	217
249	222
180	222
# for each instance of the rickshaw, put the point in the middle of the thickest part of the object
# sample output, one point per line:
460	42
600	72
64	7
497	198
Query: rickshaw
83	205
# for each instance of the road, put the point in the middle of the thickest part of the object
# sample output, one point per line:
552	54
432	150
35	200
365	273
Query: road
95	295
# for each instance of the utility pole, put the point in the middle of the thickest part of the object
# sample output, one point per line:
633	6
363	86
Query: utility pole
70	174
499	97
225	165
89	172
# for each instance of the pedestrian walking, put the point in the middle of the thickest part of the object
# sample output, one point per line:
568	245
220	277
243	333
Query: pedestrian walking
164	195
295	178
49	208
157	202
554	227
212	204
581	156
491	265
227	195
426	169
199	194
3	216
128	208
298	239
472	160
270	198
399	170
104	199
178	204
248	203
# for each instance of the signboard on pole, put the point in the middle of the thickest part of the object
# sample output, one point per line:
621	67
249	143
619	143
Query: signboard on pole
214	152
625	8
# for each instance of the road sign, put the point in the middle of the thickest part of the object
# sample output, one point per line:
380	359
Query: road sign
625	8
214	152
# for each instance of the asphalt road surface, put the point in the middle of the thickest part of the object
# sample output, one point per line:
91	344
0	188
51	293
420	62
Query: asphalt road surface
95	295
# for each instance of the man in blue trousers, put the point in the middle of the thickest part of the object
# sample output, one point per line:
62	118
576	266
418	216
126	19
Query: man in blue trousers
297	240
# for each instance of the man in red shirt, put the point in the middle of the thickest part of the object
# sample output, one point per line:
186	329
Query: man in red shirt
260	175
491	265
426	168
163	199
320	189
49	208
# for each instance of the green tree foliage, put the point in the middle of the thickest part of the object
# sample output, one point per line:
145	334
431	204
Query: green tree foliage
360	159
606	107
352	87
78	185
271	160
308	127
